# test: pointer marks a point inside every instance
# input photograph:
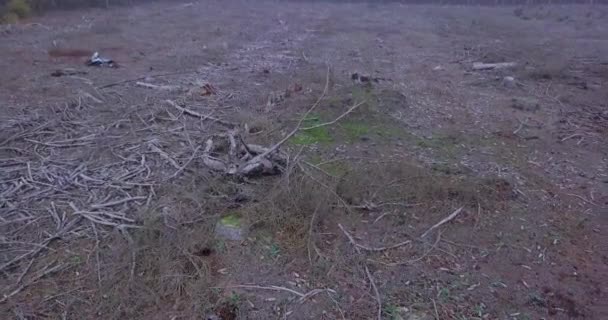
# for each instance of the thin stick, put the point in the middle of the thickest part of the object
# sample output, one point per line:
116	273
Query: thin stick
274	288
304	117
42	246
369	275
337	306
303	296
97	254
155	86
164	155
200	116
27	269
373	283
143	78
364	247
571	136
440	223
36	278
435	307
393	264
185	164
310	231
350	238
116	202
582	198
351	109
381	216
521	126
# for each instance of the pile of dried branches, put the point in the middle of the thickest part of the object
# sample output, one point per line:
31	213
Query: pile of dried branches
81	172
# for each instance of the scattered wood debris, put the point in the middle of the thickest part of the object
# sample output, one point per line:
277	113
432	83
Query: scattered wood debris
491	66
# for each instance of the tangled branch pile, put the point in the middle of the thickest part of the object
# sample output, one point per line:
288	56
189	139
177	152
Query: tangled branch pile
73	174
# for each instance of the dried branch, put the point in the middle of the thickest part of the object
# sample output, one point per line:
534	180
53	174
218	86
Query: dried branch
369	275
376	292
351	109
445	220
299	124
164	155
41	246
116	202
200	116
157	87
185	164
367	248
44	272
303	296
406	262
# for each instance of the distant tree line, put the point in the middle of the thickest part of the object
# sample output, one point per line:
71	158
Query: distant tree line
43	5
471	2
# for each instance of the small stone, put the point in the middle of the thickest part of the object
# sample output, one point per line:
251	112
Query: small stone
230	228
509	82
525	104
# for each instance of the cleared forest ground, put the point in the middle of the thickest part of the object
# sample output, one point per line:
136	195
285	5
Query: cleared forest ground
419	187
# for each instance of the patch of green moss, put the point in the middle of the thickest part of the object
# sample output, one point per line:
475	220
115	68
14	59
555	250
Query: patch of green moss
312	136
231	220
354	130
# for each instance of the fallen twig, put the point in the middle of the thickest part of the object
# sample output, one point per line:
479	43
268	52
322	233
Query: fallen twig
435	307
351	109
303	296
144	78
369	275
299	125
45	271
583	198
376	292
440	223
116	202
364	247
164	155
424	255
42	245
571	136
185	164
490	66
157	87
200	116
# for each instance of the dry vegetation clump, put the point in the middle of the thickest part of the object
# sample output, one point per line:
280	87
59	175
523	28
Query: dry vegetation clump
15	10
406	184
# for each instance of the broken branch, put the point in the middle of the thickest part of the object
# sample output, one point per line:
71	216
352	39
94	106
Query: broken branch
445	220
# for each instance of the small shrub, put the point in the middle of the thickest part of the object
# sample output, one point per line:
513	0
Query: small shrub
20	8
9	18
518	12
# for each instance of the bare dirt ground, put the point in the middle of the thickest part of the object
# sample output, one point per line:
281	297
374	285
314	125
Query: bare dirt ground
107	209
